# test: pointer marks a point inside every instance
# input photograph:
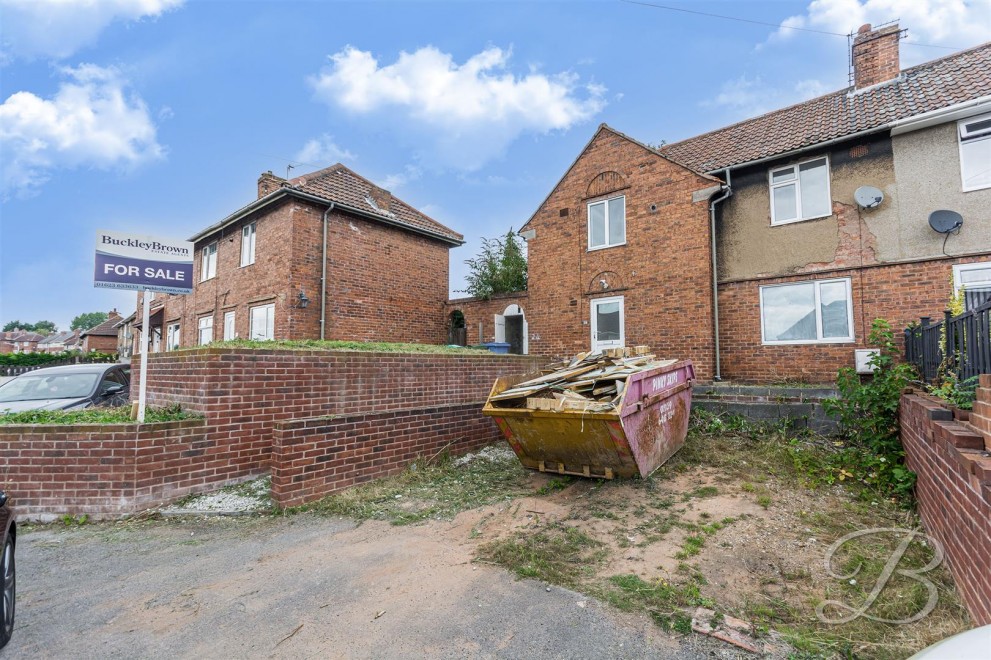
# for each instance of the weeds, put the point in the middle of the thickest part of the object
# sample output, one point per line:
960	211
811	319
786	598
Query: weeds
556	553
120	415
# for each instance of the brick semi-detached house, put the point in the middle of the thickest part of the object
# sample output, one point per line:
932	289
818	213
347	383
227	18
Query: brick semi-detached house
259	273
622	249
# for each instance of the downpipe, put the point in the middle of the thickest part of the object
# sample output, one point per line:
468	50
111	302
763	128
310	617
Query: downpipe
727	192
323	275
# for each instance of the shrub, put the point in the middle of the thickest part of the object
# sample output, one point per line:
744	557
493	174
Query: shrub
868	415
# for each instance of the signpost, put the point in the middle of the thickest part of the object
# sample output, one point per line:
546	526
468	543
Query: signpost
143	263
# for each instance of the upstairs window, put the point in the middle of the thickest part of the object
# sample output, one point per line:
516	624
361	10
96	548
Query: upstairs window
975	152
800	192
607	223
976	282
208	264
248	244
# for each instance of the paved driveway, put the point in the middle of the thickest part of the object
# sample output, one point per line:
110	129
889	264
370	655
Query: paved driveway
302	587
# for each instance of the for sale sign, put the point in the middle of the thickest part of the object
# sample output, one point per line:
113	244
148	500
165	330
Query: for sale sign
133	261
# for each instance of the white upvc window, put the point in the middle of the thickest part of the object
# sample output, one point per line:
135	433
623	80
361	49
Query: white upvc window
800	191
206	329
228	326
812	312
975	279
248	244
607	223
172	337
608	324
208	263
975	152
263	322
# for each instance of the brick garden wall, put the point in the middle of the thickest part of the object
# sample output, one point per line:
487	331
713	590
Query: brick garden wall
314	457
953	490
899	293
108	469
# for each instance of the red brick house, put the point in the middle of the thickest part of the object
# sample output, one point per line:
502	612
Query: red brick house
327	255
102	337
624	248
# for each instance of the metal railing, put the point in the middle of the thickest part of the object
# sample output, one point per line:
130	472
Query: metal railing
964	349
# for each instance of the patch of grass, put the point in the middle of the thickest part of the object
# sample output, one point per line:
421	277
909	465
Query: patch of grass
370	346
764	501
555	484
555	553
700	492
119	415
423	491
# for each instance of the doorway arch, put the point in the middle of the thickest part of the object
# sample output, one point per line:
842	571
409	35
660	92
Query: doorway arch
511	327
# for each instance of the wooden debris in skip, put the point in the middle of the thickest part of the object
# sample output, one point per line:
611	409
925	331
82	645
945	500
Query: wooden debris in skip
592	382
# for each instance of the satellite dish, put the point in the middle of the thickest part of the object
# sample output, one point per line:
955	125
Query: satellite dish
944	221
868	197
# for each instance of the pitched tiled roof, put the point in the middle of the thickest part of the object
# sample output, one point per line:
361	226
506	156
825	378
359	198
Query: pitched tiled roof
105	329
931	86
339	184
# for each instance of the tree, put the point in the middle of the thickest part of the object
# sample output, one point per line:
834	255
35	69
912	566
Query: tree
499	268
88	320
44	327
41	327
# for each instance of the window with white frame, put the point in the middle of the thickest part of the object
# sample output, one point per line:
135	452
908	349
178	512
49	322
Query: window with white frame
975	280
205	329
975	152
248	244
172	337
800	191
263	322
208	263
228	326
607	323
607	223
817	311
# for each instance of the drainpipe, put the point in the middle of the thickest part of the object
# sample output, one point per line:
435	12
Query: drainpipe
323	274
727	191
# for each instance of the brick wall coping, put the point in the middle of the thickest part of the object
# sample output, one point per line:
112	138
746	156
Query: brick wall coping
316	352
495	296
34	429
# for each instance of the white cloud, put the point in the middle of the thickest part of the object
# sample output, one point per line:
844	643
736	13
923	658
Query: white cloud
956	23
91	121
748	97
469	112
323	151
409	174
58	28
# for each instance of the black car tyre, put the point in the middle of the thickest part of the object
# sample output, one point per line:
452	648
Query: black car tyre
8	575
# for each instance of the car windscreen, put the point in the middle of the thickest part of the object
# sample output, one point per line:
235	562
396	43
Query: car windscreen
31	387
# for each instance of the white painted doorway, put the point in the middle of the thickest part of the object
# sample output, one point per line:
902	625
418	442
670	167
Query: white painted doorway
511	327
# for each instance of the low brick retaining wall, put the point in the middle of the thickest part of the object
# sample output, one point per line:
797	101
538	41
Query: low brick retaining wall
242	394
953	464
312	458
107	469
800	406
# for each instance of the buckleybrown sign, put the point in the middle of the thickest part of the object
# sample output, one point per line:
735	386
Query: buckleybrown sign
134	261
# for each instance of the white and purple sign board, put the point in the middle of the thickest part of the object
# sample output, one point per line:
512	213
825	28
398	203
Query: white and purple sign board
135	261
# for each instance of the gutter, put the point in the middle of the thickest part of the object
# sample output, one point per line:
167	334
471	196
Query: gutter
727	192
276	196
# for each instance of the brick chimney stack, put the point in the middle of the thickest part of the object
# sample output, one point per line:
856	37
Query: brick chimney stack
875	55
381	197
268	182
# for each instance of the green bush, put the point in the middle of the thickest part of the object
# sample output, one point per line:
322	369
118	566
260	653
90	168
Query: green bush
120	415
34	359
868	415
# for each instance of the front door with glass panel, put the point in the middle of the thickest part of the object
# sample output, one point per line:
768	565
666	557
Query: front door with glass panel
607	323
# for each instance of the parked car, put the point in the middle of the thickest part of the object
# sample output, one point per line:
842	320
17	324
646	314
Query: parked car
7	573
67	388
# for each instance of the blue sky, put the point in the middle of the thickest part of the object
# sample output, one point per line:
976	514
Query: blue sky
157	116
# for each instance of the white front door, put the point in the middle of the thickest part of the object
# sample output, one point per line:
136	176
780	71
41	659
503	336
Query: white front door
608	325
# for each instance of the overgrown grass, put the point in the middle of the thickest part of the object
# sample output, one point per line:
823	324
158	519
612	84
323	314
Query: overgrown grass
119	415
370	346
556	553
430	490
